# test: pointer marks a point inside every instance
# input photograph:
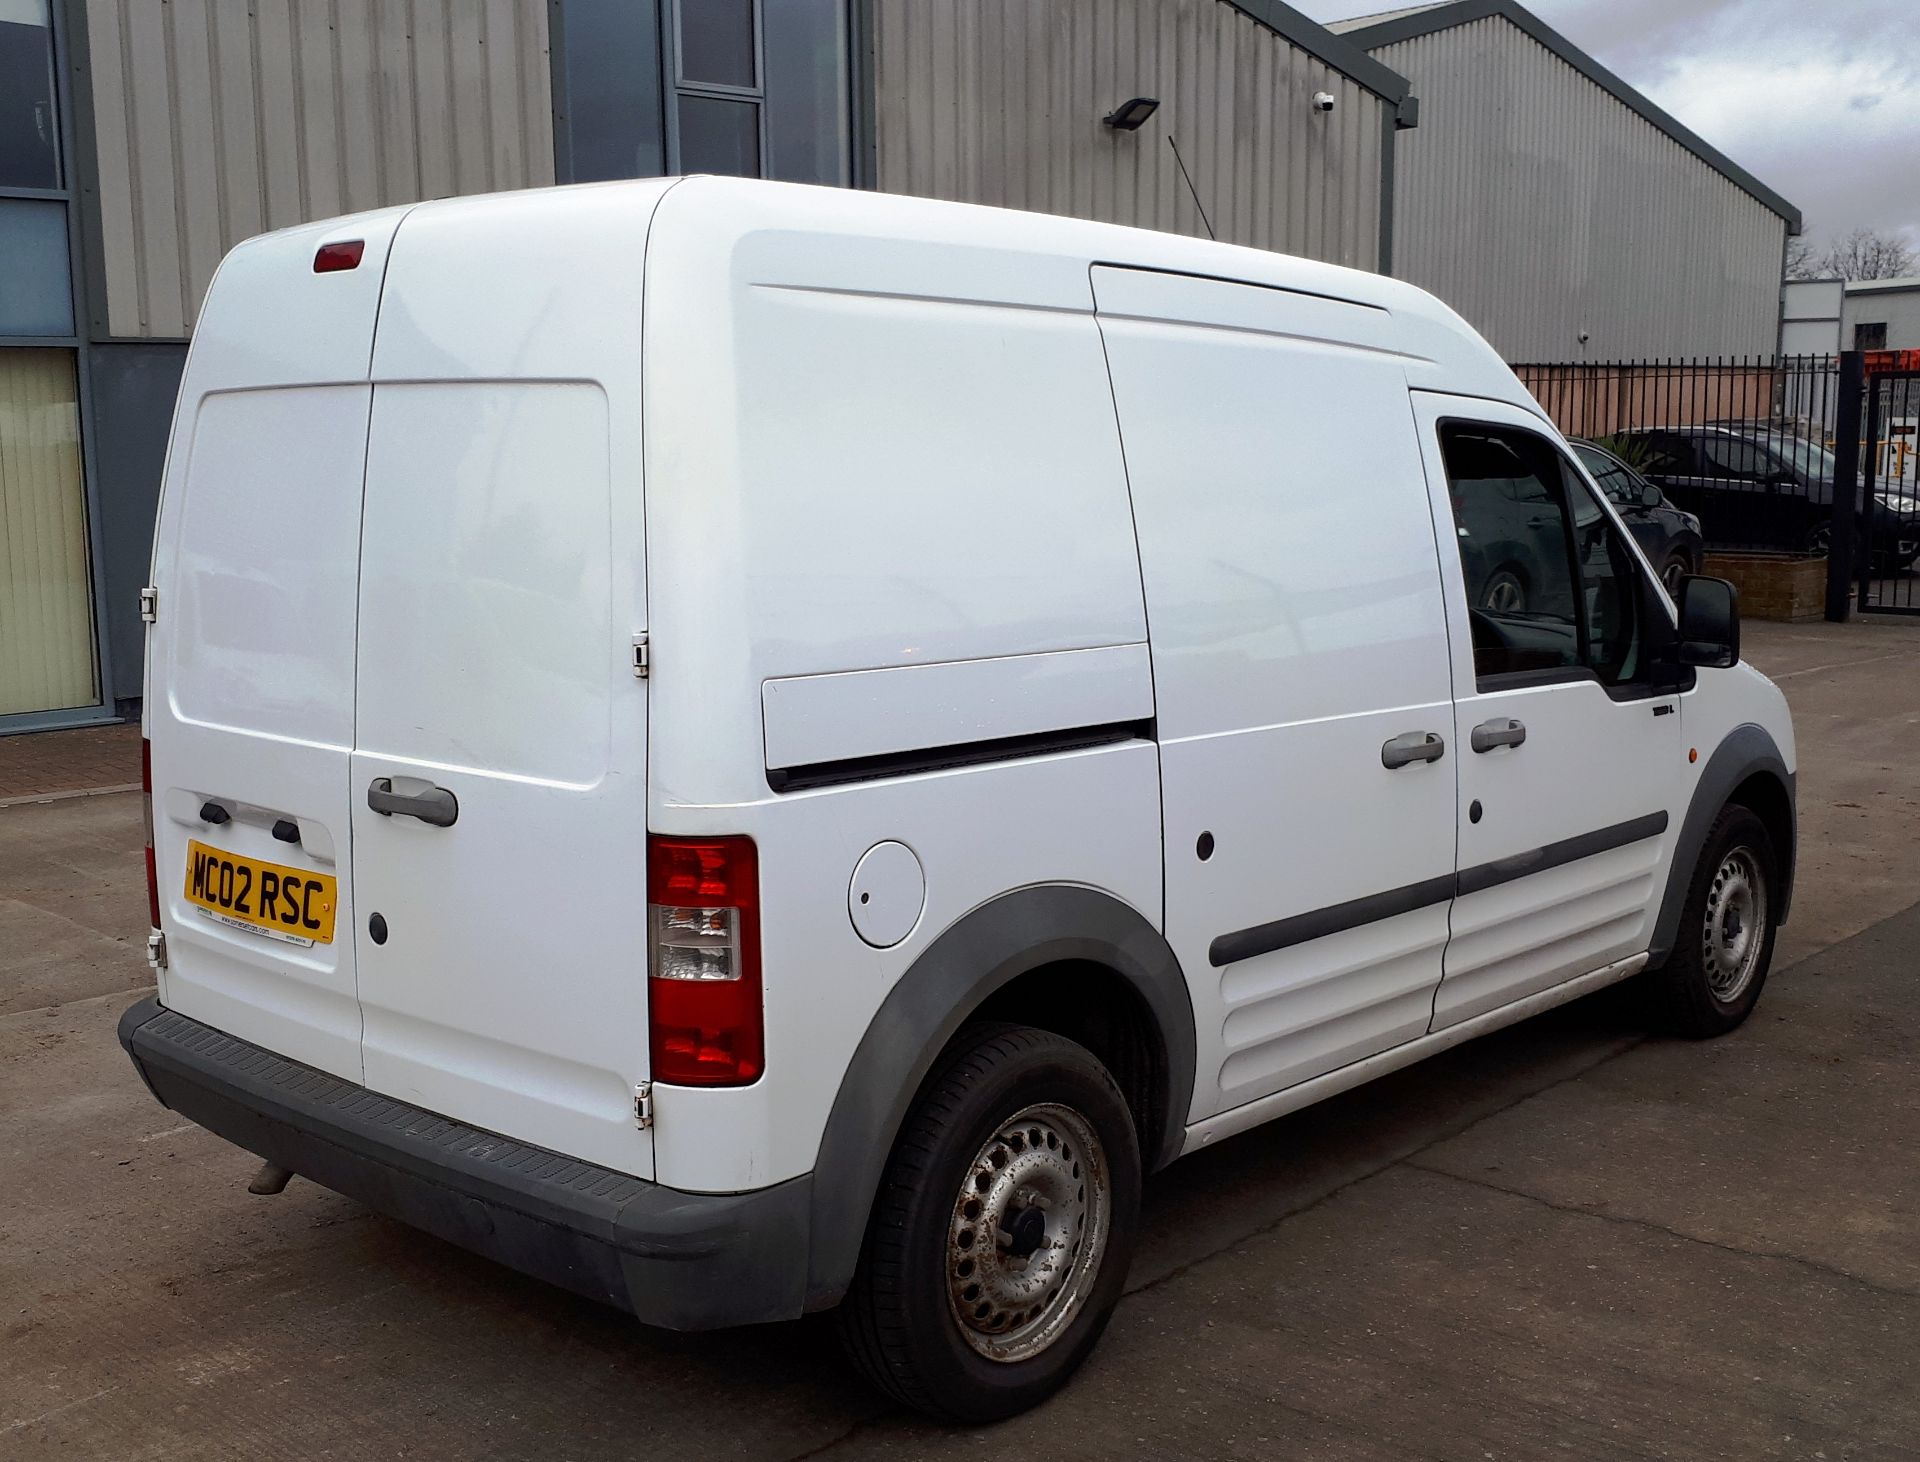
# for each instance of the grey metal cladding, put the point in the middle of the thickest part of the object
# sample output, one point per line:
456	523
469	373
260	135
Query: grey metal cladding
1462	12
1746	750
1000	102
996	943
1544	210
1316	40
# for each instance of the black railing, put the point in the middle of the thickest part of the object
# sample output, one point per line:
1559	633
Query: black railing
1745	443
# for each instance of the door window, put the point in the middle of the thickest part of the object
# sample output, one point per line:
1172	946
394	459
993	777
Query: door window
1668	454
1551	585
1731	457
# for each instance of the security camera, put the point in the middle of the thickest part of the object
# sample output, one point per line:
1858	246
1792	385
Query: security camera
1323	101
1585	336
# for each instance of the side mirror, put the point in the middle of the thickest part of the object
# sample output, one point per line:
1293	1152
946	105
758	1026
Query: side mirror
1651	496
1709	622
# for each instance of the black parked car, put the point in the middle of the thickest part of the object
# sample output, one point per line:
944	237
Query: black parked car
1757	486
1668	537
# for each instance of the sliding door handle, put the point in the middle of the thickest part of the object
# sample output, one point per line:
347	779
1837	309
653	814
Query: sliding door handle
1412	746
1504	731
436	805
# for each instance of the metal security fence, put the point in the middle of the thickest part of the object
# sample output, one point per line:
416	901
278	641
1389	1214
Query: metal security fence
1744	443
1887	532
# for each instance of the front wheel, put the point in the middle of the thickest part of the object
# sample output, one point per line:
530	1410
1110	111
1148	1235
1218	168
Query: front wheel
1002	1230
1676	568
1724	949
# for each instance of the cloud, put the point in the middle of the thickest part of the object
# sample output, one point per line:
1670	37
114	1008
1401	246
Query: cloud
1821	101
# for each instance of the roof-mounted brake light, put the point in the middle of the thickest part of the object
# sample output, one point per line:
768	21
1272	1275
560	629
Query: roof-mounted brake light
334	257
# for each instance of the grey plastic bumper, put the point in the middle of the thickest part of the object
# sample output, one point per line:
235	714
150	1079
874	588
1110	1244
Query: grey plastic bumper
686	1261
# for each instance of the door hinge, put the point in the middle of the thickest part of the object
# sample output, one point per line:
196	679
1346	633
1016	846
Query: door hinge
149	604
642	658
643	1105
157	950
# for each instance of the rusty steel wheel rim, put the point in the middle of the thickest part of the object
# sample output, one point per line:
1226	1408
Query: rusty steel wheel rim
1029	1229
1735	926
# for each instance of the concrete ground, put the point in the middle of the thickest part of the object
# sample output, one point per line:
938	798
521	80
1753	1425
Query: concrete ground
1567	1239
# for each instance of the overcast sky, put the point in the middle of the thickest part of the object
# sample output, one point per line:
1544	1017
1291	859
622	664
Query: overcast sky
1819	99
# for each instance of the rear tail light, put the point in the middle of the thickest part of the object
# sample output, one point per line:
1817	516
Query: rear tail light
146	808
704	1011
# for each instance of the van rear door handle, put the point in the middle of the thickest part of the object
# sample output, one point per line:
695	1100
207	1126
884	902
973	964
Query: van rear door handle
1412	746
436	805
1505	731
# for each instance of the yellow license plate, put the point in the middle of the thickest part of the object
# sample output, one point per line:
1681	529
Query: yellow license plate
260	897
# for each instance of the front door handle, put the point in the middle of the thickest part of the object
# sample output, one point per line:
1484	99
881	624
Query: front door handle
1412	746
436	805
1502	732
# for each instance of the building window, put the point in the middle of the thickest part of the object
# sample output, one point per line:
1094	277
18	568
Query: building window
36	281
717	123
1870	335
46	600
29	125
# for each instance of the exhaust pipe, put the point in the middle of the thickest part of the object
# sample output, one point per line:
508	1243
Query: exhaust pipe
270	1179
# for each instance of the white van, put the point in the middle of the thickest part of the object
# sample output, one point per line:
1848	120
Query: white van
746	748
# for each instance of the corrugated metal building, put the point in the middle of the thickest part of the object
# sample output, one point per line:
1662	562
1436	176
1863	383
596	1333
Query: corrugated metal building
1558	209
140	139
1002	101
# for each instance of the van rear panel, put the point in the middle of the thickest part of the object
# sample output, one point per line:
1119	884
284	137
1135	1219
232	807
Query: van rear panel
249	702
401	549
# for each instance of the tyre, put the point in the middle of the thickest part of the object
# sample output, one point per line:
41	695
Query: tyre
1002	1231
1675	568
1819	539
1724	947
1504	592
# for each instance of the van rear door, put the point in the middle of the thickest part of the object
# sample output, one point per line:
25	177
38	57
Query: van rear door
498	776
249	704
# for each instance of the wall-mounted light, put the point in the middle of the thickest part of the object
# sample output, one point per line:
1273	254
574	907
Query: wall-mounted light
1128	116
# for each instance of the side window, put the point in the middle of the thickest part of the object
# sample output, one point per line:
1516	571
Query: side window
1613	481
1610	589
1551	585
1730	457
1671	454
1511	528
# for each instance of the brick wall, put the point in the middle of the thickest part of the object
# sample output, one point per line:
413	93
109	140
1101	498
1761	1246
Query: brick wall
1779	586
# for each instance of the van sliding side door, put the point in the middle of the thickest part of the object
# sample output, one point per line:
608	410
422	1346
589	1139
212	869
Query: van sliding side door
1300	670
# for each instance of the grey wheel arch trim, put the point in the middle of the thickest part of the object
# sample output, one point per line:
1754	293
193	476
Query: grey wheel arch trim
984	950
1747	750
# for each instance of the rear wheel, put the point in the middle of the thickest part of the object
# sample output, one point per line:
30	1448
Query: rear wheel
1002	1231
1724	948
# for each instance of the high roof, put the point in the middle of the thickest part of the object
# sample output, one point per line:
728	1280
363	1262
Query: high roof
1389	27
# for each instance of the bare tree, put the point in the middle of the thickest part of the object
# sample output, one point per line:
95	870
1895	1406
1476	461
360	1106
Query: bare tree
1801	263
1867	254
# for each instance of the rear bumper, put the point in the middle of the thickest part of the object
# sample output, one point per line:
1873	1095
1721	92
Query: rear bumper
686	1261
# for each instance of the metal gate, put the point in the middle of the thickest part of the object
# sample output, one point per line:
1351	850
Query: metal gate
1889	525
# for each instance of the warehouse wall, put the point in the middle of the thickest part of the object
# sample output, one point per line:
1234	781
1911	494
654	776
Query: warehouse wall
1539	206
1000	101
1897	309
217	119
